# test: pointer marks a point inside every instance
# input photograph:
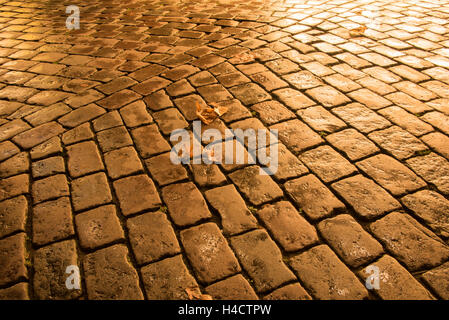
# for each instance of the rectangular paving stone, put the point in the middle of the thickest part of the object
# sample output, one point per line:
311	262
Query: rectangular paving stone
438	142
409	242
136	194
325	276
288	166
180	88
434	169
382	74
164	171
361	118
431	207
149	141
84	98
415	90
9	107
367	198
14	186
233	288
81	115
303	80
349	240
268	80
114	138
313	197
78	134
341	82
185	203
438	280
328	96
152	237
50	264
83	158
207	174
12	259
292	291
407	102
107	269
352	143
262	260
293	98
400	143
396	283
108	120
48	114
209	253
135	114
256	187
52	221
119	99
288	227
271	112
296	135
13	215
406	121
170	120
35	136
98	227
369	99
90	191
232	79
320	119
438	120
19	163
122	162
391	174
215	93
149	86
147	72
50	188
16	93
235	216
168	279
116	85
16	292
327	164
48	97
7	150
250	93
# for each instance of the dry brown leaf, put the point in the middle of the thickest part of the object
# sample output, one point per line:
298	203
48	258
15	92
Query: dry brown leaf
219	110
357	31
207	115
196	295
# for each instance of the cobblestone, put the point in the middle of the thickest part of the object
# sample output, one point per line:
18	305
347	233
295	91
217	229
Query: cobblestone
362	169
209	253
98	227
317	267
412	244
261	259
107	269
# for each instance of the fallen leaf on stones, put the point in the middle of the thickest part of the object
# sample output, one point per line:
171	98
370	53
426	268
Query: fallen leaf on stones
207	115
357	31
219	110
196	295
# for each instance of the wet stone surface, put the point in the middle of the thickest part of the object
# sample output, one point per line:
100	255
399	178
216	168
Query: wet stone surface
362	179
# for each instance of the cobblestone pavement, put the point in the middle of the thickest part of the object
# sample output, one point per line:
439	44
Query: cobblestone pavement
363	120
